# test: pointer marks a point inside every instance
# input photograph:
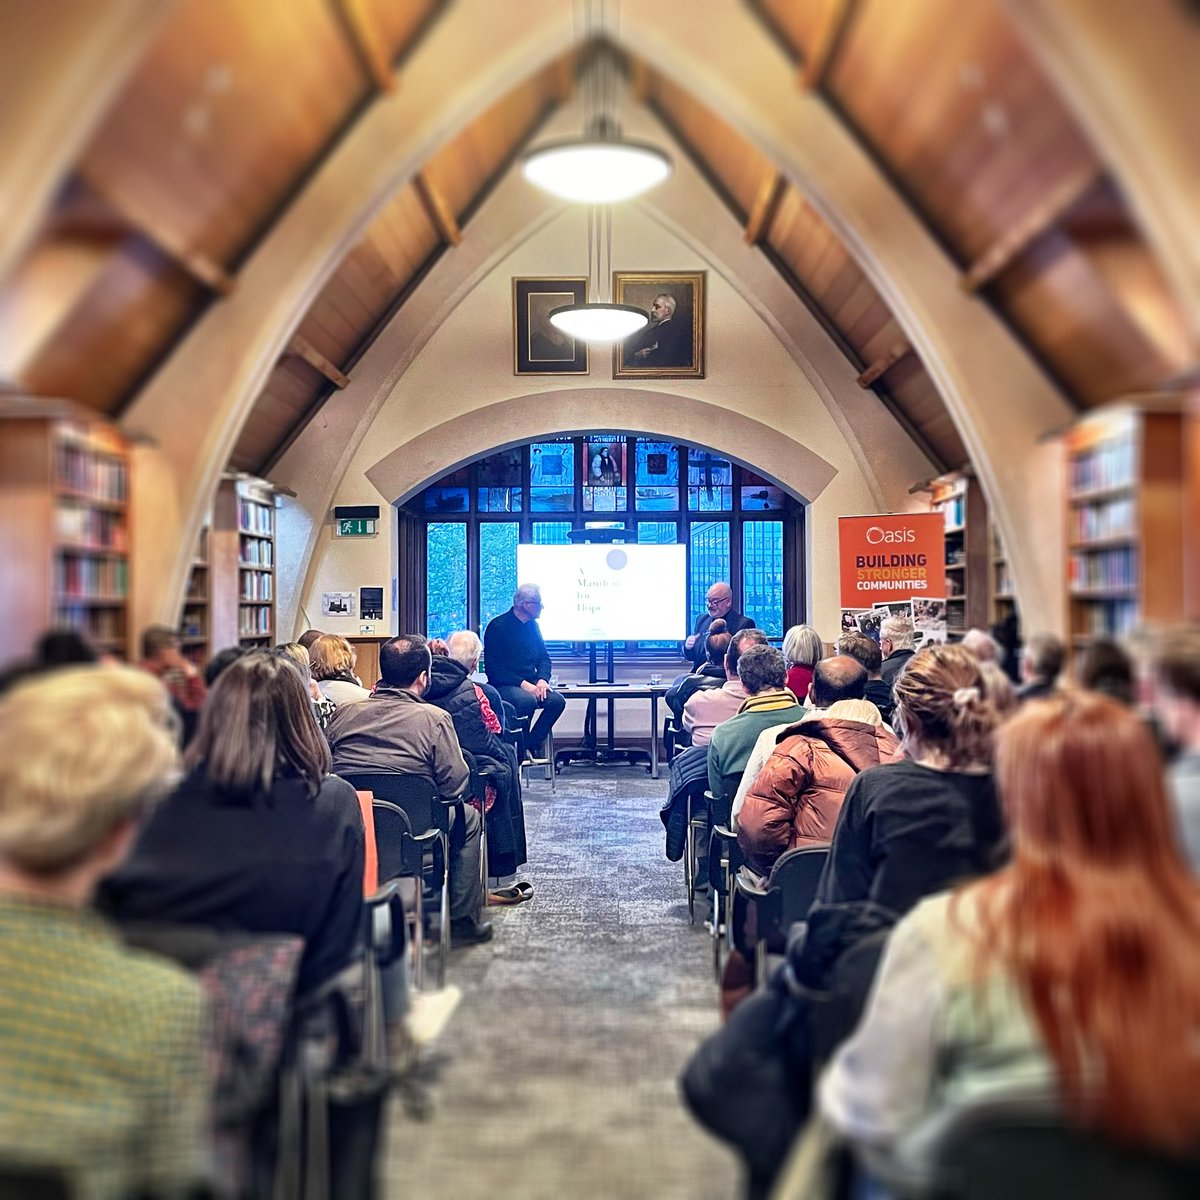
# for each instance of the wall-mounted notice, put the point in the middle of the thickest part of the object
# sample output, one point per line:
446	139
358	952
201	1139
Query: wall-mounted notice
337	604
370	603
891	557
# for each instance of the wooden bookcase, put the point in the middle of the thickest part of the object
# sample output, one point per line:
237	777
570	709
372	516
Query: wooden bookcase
959	499
1004	596
64	484
195	622
242	563
1125	521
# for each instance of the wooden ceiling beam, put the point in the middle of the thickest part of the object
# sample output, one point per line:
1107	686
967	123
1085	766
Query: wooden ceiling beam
367	43
762	212
300	347
884	363
1055	205
831	25
439	212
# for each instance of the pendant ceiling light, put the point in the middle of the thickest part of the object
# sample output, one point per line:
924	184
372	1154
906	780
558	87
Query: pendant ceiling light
601	320
601	167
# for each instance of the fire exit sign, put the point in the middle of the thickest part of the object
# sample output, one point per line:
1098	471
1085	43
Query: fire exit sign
356	527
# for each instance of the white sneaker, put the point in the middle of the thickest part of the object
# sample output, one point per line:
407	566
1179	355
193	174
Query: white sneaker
429	1012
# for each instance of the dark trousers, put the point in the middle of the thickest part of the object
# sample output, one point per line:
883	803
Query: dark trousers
525	704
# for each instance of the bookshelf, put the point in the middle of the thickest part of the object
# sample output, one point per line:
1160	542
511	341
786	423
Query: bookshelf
1004	596
243	564
64	480
1125	521
195	619
959	499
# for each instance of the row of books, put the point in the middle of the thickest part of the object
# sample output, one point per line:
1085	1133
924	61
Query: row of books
257	586
254	622
91	527
254	552
954	510
99	624
1108	464
1004	580
77	576
100	478
1105	618
193	624
256	518
1103	519
1116	568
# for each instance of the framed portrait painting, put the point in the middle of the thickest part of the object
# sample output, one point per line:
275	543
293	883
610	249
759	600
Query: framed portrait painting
538	347
672	345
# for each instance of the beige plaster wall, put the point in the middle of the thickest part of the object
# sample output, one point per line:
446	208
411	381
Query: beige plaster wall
459	398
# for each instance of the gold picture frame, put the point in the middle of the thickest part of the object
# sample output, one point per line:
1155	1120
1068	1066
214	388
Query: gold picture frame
672	345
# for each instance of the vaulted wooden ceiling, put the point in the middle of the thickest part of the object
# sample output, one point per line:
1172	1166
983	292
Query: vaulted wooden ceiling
235	104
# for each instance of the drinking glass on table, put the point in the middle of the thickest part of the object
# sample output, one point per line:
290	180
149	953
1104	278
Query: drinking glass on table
655	680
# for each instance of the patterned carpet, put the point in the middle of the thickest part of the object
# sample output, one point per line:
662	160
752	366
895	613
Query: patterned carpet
557	1073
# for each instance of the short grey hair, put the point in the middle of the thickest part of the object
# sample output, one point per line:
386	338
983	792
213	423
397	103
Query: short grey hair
802	645
527	591
982	645
898	631
672	303
464	647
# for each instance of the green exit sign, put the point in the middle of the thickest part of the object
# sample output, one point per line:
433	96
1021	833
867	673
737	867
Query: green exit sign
356	527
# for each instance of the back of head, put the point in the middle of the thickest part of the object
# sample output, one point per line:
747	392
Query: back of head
1000	689
331	656
1098	918
739	643
220	662
309	636
156	639
762	669
943	706
84	750
1044	655
62	648
438	648
257	725
862	649
1105	667
898	631
1177	662
802	645
465	647
838	678
403	659
296	654
982	645
717	642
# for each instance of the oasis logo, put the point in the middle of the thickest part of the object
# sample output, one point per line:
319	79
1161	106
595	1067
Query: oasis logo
876	536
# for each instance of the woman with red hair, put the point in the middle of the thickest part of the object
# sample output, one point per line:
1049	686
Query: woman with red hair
1070	977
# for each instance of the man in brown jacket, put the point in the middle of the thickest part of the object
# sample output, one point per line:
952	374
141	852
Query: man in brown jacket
796	797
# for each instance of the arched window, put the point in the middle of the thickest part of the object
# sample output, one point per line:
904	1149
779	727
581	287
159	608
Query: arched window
736	524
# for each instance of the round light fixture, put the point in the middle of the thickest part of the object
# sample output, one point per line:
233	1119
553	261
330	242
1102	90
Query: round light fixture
599	322
596	170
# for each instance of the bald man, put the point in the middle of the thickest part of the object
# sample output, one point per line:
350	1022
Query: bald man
718	603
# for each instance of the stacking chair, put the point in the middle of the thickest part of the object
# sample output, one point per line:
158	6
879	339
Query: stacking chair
725	859
791	888
518	727
429	827
697	828
675	737
833	1015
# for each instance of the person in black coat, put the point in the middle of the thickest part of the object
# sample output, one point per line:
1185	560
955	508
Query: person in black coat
452	690
719	604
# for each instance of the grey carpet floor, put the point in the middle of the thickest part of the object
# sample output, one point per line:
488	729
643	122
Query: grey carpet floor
558	1072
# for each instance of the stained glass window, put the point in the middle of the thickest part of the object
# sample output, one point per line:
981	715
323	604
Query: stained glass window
710	482
758	495
657	478
552	476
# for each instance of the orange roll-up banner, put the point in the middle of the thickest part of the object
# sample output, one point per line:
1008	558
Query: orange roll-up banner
896	557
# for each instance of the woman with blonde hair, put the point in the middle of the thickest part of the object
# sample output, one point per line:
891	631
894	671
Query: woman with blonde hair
1071	976
332	659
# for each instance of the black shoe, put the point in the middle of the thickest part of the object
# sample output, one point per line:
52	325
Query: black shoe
469	931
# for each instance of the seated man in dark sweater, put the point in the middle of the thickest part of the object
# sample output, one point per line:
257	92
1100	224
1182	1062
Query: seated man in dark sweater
518	666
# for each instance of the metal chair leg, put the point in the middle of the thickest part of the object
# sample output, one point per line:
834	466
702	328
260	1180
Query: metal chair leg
483	845
717	932
760	962
689	865
419	938
551	773
444	915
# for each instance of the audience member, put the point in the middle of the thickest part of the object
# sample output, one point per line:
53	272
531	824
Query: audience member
866	650
1000	689
332	659
718	604
796	797
710	673
308	637
293	652
1041	662
896	646
258	837
478	730
163	658
1068	977
982	645
518	666
1007	635
101	1048
1105	667
395	730
803	649
220	662
64	648
1177	707
704	710
768	704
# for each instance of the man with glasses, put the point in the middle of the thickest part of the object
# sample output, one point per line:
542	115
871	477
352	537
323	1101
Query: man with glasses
719	603
518	666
